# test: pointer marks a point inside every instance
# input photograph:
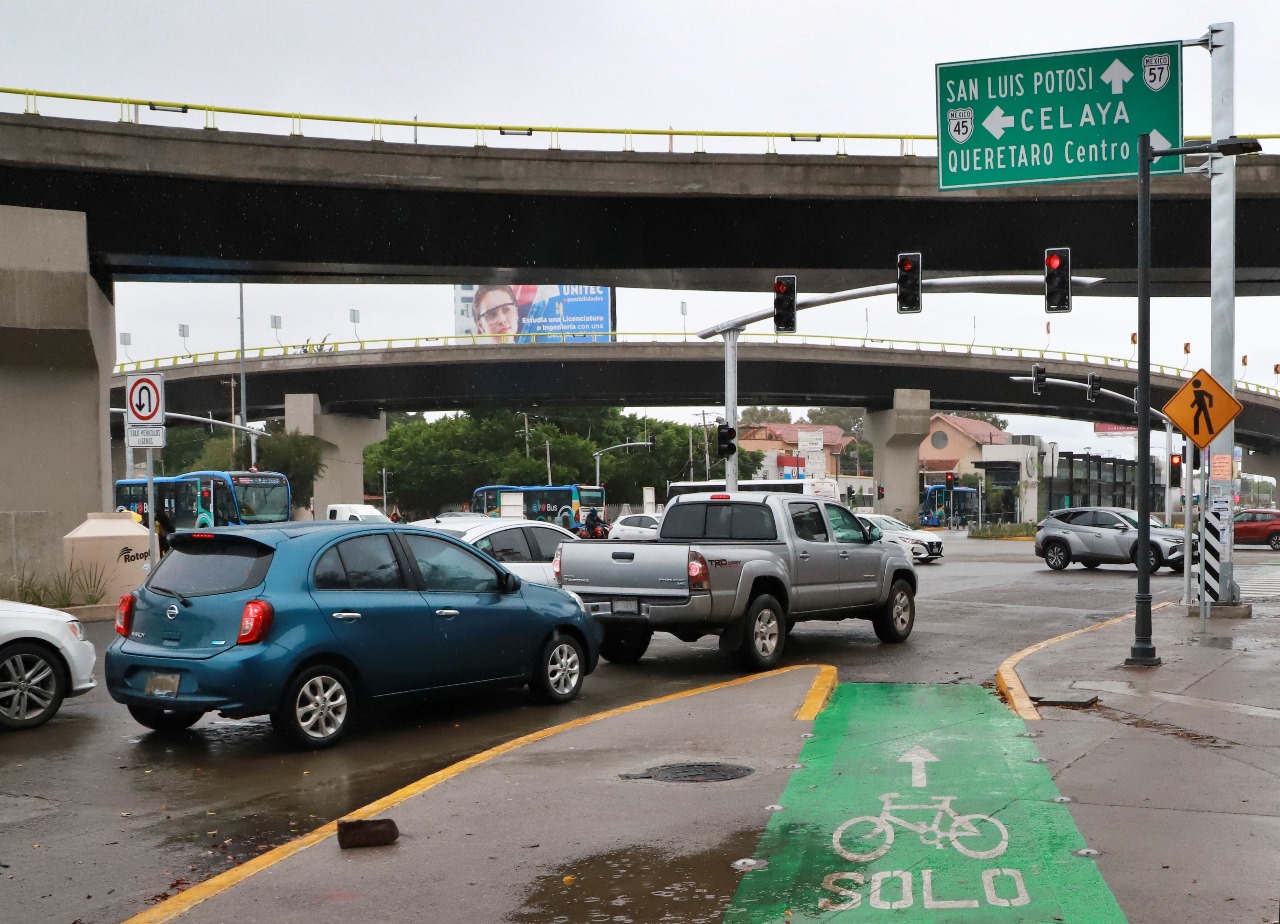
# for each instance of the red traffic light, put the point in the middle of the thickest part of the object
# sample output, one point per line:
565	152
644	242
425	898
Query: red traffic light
906	264
1053	261
1175	459
782	287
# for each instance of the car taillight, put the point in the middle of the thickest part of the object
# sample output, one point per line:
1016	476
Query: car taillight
255	622
698	574
124	615
555	564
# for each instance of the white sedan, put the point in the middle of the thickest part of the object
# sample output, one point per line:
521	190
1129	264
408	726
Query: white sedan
44	658
634	526
923	547
525	547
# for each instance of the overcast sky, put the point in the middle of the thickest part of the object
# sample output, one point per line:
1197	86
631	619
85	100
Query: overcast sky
802	67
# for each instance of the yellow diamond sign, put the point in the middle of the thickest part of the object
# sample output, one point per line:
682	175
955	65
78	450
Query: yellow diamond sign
1201	408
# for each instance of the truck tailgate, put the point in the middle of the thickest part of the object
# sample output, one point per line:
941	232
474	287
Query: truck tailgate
653	570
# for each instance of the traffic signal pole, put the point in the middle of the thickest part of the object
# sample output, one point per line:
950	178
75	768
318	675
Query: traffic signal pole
731	402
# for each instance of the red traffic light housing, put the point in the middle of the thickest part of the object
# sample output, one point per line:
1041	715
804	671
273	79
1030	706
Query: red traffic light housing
784	304
1057	280
726	441
1175	470
951	480
909	283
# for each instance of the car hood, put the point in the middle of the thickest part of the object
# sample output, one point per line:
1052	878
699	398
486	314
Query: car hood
27	611
1165	532
914	535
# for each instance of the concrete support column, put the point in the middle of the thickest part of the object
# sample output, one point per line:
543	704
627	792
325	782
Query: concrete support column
345	440
1265	464
57	333
895	435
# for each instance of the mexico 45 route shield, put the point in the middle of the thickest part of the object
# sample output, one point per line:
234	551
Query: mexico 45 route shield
921	803
1071	115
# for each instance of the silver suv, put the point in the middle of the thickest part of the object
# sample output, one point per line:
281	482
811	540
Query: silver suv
1096	536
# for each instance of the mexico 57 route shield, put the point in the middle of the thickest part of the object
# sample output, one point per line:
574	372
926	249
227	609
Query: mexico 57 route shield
1072	115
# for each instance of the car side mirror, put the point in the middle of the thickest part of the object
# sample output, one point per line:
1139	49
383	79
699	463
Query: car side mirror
874	535
509	582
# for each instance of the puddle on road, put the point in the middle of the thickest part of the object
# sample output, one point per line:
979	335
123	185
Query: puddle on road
640	885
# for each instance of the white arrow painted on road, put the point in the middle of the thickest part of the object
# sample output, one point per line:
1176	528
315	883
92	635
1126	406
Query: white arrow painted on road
997	122
917	757
1158	142
1117	75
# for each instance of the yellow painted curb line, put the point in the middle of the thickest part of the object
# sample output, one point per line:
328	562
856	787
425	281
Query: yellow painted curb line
171	908
1009	684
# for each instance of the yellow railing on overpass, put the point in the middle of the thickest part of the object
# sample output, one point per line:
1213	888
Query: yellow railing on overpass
130	110
302	350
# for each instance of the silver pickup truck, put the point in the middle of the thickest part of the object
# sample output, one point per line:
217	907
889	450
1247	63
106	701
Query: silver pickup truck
745	566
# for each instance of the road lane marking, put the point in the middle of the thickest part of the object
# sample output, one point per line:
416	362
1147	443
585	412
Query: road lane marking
986	841
171	908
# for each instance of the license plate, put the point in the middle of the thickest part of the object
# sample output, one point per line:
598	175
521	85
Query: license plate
626	606
162	685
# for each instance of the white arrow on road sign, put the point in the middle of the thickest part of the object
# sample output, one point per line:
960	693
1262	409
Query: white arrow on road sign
917	757
1158	143
1117	75
144	400
997	122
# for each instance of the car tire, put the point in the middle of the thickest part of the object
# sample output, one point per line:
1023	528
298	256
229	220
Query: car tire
1153	556
894	621
764	634
559	673
315	711
1090	564
1274	541
625	644
33	684
1057	556
165	720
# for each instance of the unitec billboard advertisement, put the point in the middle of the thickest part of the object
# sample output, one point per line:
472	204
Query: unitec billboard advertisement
502	313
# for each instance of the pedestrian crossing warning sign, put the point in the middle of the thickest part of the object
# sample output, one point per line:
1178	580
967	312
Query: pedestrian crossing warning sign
1201	408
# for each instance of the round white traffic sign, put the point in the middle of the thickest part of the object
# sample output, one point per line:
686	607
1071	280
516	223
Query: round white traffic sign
144	399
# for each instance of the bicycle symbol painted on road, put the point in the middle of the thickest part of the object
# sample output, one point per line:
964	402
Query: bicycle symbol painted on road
868	837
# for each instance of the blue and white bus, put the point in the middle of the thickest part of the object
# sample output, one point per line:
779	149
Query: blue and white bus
565	504
196	500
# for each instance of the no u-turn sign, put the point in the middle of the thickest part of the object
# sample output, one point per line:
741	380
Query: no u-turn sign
144	400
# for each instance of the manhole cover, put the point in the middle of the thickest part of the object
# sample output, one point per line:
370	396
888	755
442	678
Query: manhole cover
692	773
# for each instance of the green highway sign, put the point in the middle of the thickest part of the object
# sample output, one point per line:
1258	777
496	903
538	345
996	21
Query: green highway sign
1071	115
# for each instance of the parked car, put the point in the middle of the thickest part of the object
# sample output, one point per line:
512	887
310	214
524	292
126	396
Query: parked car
747	567
1258	526
634	526
923	547
365	513
525	547
309	622
44	658
1096	536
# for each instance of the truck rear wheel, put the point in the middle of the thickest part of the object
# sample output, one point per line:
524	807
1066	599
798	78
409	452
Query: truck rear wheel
763	634
625	644
894	620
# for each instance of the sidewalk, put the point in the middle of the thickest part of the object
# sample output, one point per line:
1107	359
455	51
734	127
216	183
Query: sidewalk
1173	770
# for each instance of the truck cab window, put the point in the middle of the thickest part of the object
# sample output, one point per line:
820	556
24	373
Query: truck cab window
807	521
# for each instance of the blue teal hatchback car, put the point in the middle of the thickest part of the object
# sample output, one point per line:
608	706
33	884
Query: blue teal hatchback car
309	622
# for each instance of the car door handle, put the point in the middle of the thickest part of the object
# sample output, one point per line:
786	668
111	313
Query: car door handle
844	554
624	556
346	616
449	613
804	555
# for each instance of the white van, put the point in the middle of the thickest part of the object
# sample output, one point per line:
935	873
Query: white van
366	513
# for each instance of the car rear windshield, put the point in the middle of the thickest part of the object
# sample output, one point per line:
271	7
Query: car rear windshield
726	520
199	567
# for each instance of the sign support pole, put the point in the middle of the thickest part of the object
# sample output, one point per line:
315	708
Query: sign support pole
731	401
151	509
1188	491
1222	264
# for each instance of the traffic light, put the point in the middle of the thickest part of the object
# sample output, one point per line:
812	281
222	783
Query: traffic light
1175	470
1037	379
784	304
725	441
908	283
1095	386
1195	459
880	492
951	480
1057	279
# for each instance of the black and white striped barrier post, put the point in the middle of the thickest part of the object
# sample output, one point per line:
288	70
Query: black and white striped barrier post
1215	539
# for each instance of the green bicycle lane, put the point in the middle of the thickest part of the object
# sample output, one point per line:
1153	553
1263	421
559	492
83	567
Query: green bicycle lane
921	803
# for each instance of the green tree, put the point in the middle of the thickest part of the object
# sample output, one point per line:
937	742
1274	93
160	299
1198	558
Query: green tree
849	419
297	457
999	423
215	455
763	413
184	446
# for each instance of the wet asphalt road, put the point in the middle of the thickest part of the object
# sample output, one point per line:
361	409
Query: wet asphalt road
99	818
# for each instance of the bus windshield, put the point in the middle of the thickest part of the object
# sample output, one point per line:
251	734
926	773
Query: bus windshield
262	497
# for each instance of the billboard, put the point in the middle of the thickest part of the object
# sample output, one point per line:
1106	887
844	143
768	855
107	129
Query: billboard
534	314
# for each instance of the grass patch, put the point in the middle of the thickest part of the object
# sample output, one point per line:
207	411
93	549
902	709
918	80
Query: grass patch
1003	531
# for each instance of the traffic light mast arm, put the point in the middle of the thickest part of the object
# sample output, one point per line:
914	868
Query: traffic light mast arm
1013	285
1102	391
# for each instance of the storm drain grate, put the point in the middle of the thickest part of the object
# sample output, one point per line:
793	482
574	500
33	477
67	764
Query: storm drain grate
692	773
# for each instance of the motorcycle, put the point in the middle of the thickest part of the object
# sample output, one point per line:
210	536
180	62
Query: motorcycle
599	531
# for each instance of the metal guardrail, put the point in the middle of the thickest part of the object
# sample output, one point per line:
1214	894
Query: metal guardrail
130	110
304	350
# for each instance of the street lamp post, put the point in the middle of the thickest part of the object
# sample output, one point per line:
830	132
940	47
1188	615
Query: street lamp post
1143	652
598	453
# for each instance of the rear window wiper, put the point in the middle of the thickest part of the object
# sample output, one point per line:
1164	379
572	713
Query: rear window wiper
172	593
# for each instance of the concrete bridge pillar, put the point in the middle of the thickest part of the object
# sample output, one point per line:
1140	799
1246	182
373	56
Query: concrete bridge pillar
57	333
1262	463
895	435
345	440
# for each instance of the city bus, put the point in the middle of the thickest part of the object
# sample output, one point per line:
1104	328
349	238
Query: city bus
566	504
936	509
196	500
820	487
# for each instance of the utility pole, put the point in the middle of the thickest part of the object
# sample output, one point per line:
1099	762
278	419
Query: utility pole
706	450
384	492
244	390
232	383
526	433
548	461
